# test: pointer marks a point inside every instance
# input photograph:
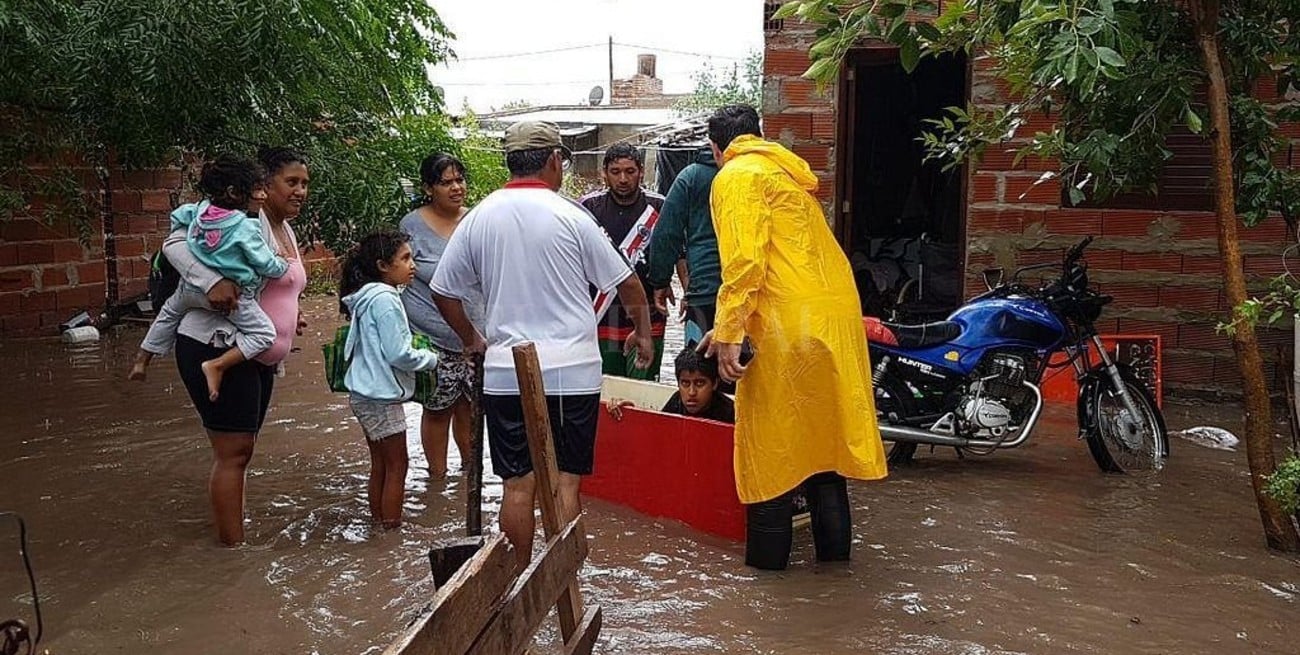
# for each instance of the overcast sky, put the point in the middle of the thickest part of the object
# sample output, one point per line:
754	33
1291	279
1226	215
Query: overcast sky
725	29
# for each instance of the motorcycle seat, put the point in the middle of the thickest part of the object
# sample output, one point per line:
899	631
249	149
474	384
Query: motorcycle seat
910	336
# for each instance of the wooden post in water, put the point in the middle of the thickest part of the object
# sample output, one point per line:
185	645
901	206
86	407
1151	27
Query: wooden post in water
474	467
556	512
489	606
447	557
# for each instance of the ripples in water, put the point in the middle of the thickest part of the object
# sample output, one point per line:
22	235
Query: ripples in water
1030	551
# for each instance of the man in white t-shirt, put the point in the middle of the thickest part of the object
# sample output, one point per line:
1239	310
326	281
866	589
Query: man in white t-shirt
534	253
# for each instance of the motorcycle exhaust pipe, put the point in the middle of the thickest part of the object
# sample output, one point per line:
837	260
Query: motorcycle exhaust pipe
919	436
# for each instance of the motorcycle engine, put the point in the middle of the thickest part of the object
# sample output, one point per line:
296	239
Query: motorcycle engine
985	414
985	407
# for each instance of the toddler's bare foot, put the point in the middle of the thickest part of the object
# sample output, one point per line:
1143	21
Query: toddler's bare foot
137	372
213	376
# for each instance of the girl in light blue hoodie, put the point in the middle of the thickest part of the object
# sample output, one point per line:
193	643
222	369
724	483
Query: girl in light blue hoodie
382	363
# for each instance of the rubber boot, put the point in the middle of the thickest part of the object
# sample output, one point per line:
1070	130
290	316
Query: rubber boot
828	504
768	533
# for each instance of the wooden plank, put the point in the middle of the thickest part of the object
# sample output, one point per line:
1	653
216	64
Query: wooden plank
446	558
642	393
474	467
464	606
540	444
585	639
556	512
528	602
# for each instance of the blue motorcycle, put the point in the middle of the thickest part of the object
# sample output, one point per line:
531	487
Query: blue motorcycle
972	382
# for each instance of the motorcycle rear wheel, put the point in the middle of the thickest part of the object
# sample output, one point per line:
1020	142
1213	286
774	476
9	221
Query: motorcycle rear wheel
1120	444
893	397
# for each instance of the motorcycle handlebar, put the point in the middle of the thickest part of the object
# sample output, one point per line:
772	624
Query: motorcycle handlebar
1016	276
1071	256
1077	251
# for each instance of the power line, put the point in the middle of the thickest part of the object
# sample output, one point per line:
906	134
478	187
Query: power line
511	55
529	53
679	52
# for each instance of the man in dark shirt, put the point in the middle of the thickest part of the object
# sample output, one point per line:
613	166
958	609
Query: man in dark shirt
628	214
687	225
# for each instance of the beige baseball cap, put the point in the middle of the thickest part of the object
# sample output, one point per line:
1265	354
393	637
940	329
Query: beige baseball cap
534	135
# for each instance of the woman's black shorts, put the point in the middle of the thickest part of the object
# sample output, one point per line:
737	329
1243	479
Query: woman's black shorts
245	389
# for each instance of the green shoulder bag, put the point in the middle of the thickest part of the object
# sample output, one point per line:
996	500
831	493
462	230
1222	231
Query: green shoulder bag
336	365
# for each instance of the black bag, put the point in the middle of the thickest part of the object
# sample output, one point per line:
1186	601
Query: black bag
163	279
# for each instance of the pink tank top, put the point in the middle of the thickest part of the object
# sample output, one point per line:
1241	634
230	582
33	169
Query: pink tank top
280	302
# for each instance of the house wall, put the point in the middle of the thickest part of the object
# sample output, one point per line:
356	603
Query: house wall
795	112
49	273
1162	268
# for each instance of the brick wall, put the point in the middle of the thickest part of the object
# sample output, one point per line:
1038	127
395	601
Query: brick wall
1162	267
48	274
629	91
795	112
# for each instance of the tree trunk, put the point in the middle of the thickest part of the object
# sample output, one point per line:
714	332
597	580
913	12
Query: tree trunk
1279	531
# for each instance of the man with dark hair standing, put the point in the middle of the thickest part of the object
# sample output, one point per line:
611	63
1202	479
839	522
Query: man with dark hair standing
535	255
628	213
805	412
686	223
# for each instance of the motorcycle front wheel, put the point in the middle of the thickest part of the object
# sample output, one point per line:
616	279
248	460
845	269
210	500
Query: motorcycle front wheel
1119	441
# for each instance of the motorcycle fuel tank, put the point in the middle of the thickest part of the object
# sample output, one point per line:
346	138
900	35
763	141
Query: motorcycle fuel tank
985	324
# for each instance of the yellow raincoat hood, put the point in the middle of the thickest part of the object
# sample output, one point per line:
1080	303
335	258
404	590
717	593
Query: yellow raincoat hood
778	154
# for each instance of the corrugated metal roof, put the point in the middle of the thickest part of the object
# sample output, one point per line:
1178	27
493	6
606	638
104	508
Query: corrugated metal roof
587	115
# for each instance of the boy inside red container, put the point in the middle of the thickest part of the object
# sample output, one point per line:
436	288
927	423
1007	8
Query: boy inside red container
697	396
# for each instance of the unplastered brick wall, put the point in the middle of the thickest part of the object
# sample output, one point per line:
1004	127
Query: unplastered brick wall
49	272
794	112
1162	267
636	91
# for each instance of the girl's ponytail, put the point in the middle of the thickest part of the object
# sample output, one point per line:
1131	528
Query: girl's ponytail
351	279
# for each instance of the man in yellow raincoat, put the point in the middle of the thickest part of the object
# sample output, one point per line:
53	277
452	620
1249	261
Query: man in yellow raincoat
805	414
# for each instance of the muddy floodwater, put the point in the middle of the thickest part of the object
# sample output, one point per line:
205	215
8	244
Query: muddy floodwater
1028	551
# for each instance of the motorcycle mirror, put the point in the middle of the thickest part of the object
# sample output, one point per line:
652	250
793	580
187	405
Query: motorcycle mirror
993	277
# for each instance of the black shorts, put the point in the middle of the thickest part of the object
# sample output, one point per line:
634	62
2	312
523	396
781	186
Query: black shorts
245	389
573	429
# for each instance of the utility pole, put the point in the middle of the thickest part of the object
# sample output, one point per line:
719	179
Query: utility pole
611	69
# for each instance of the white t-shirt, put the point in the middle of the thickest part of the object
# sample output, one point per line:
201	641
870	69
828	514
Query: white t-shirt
534	254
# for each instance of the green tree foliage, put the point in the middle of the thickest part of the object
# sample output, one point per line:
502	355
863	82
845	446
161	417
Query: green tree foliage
1119	76
742	84
133	82
483	157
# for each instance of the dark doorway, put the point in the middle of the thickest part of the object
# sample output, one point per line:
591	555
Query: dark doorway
903	222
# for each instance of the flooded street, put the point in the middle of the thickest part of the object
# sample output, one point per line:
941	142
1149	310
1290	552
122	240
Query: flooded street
1028	551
